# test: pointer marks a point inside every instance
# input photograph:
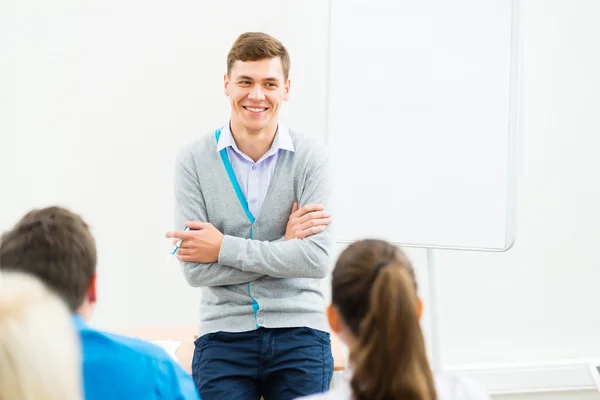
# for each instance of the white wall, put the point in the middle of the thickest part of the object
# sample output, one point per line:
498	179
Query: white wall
97	97
521	321
539	299
527	320
537	304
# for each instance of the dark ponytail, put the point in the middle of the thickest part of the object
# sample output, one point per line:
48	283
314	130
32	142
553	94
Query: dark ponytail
374	288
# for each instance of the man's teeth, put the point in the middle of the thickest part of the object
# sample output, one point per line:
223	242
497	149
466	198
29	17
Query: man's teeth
256	109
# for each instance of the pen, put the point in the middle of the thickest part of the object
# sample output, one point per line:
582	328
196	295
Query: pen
176	245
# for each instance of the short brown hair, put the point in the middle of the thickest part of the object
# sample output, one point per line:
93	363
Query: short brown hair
56	246
256	46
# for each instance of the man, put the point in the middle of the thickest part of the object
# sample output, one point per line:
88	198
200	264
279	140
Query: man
56	246
262	325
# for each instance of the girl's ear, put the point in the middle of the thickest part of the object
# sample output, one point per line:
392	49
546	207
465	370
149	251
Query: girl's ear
334	318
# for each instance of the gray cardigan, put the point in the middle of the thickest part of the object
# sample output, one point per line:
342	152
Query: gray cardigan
265	281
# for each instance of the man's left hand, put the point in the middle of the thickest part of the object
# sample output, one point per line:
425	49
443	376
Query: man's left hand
201	244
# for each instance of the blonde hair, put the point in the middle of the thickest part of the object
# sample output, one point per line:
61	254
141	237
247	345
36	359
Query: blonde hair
375	291
39	349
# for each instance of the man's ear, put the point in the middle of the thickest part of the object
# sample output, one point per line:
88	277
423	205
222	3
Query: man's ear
91	290
419	307
333	316
225	83
286	95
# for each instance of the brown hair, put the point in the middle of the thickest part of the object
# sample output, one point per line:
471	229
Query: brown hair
56	246
374	288
256	46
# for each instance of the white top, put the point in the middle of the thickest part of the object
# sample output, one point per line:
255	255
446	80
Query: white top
447	387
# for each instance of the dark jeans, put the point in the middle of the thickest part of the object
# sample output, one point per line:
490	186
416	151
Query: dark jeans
278	364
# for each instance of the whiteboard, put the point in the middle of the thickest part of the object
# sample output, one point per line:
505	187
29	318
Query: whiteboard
422	121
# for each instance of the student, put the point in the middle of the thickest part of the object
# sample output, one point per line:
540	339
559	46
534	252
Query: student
56	246
39	350
375	311
254	194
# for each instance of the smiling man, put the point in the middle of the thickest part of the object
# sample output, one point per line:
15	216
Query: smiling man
254	195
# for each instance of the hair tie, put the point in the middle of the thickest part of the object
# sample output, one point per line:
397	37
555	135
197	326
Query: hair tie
378	268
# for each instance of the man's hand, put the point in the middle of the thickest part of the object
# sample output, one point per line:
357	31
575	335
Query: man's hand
201	244
306	221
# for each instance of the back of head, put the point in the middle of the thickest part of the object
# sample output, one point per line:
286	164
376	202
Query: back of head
39	353
256	46
56	246
374	290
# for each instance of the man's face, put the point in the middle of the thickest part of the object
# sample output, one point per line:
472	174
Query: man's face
256	89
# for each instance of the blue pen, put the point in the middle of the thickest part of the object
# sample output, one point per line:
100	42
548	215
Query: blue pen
177	245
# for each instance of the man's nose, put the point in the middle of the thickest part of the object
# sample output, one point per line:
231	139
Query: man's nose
257	93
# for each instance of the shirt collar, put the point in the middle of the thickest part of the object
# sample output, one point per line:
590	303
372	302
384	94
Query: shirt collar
282	141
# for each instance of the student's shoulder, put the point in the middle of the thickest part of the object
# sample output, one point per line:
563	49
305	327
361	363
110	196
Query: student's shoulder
451	387
127	347
139	362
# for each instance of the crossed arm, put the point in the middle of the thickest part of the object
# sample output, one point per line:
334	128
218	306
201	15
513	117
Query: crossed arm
210	258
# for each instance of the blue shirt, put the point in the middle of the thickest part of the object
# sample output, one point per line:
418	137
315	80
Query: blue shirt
254	178
118	367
